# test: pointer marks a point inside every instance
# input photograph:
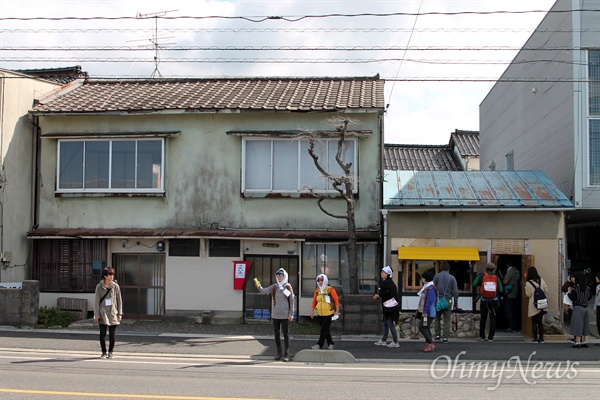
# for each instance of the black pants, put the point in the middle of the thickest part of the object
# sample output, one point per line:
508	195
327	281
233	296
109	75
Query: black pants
426	329
510	308
112	334
282	325
488	307
325	334
537	326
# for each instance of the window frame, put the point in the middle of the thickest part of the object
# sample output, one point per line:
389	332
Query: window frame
593	116
136	165
302	155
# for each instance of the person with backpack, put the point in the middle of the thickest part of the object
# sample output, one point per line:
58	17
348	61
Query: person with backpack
327	304
580	294
535	291
283	310
390	302
490	286
447	292
426	311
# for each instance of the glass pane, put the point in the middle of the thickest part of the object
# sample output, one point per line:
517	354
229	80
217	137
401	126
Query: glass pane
310	177
594	152
130	271
149	164
151	301
70	170
123	164
347	156
285	165
96	164
151	270
257	168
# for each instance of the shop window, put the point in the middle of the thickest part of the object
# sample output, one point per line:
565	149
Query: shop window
413	270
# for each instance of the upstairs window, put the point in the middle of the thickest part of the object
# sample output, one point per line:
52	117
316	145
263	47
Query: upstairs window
594	116
284	165
125	165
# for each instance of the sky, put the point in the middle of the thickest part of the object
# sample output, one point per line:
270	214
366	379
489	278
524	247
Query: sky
439	59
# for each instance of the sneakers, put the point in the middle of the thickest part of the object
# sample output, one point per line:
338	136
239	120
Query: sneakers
278	356
534	341
381	343
483	339
393	344
438	337
330	347
428	347
286	357
316	347
572	341
103	355
541	341
490	340
110	355
445	340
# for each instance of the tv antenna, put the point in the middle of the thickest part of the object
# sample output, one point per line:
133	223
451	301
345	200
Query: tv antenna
154	39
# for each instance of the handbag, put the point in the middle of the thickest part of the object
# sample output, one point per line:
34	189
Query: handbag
441	304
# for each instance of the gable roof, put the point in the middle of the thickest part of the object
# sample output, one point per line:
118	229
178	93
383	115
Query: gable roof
465	142
447	190
419	158
247	94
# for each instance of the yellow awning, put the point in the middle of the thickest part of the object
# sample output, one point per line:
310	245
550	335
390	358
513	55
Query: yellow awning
439	253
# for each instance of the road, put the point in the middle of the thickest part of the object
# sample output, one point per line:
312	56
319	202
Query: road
43	365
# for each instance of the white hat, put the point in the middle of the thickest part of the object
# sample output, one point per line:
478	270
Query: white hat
387	270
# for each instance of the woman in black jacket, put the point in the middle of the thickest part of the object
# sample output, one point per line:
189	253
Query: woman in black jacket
579	294
388	294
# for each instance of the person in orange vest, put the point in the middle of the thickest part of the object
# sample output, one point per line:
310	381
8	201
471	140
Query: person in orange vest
490	286
327	304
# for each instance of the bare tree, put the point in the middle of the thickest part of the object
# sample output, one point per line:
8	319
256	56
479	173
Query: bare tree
344	185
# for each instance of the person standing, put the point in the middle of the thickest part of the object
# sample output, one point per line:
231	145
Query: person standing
489	287
537	316
511	299
283	310
327	304
579	294
388	294
447	288
108	310
427	299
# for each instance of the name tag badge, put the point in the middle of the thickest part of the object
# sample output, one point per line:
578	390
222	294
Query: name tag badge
108	302
286	292
327	299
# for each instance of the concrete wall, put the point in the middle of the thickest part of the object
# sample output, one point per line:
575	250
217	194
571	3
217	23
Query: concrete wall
203	177
17	95
20	307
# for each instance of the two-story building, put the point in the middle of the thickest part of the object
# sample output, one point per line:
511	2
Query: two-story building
170	181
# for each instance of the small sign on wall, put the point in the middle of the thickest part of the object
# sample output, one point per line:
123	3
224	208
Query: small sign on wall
240	272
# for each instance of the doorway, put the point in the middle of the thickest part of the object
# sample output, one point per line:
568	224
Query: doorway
521	262
257	306
142	281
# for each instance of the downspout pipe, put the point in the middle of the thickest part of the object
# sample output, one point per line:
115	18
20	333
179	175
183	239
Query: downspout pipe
36	169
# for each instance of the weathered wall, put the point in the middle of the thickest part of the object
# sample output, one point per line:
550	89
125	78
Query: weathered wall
20	307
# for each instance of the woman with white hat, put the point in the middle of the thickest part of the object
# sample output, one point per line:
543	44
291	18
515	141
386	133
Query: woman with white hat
388	294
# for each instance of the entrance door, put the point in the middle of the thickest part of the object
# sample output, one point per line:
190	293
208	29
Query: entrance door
256	305
142	281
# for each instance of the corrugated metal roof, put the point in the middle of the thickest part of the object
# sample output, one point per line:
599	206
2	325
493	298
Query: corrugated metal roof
419	158
286	94
471	189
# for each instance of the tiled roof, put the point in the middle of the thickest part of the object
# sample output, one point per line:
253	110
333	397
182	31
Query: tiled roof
59	75
413	190
466	142
291	94
419	158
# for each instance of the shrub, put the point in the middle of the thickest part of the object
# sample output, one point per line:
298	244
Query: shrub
54	316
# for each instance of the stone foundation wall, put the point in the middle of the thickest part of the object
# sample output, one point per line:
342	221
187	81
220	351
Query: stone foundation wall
20	307
467	326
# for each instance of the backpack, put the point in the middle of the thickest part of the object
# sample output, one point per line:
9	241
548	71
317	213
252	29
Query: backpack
540	301
489	286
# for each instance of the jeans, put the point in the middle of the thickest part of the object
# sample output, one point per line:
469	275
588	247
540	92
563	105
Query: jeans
388	325
445	314
282	325
112	334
